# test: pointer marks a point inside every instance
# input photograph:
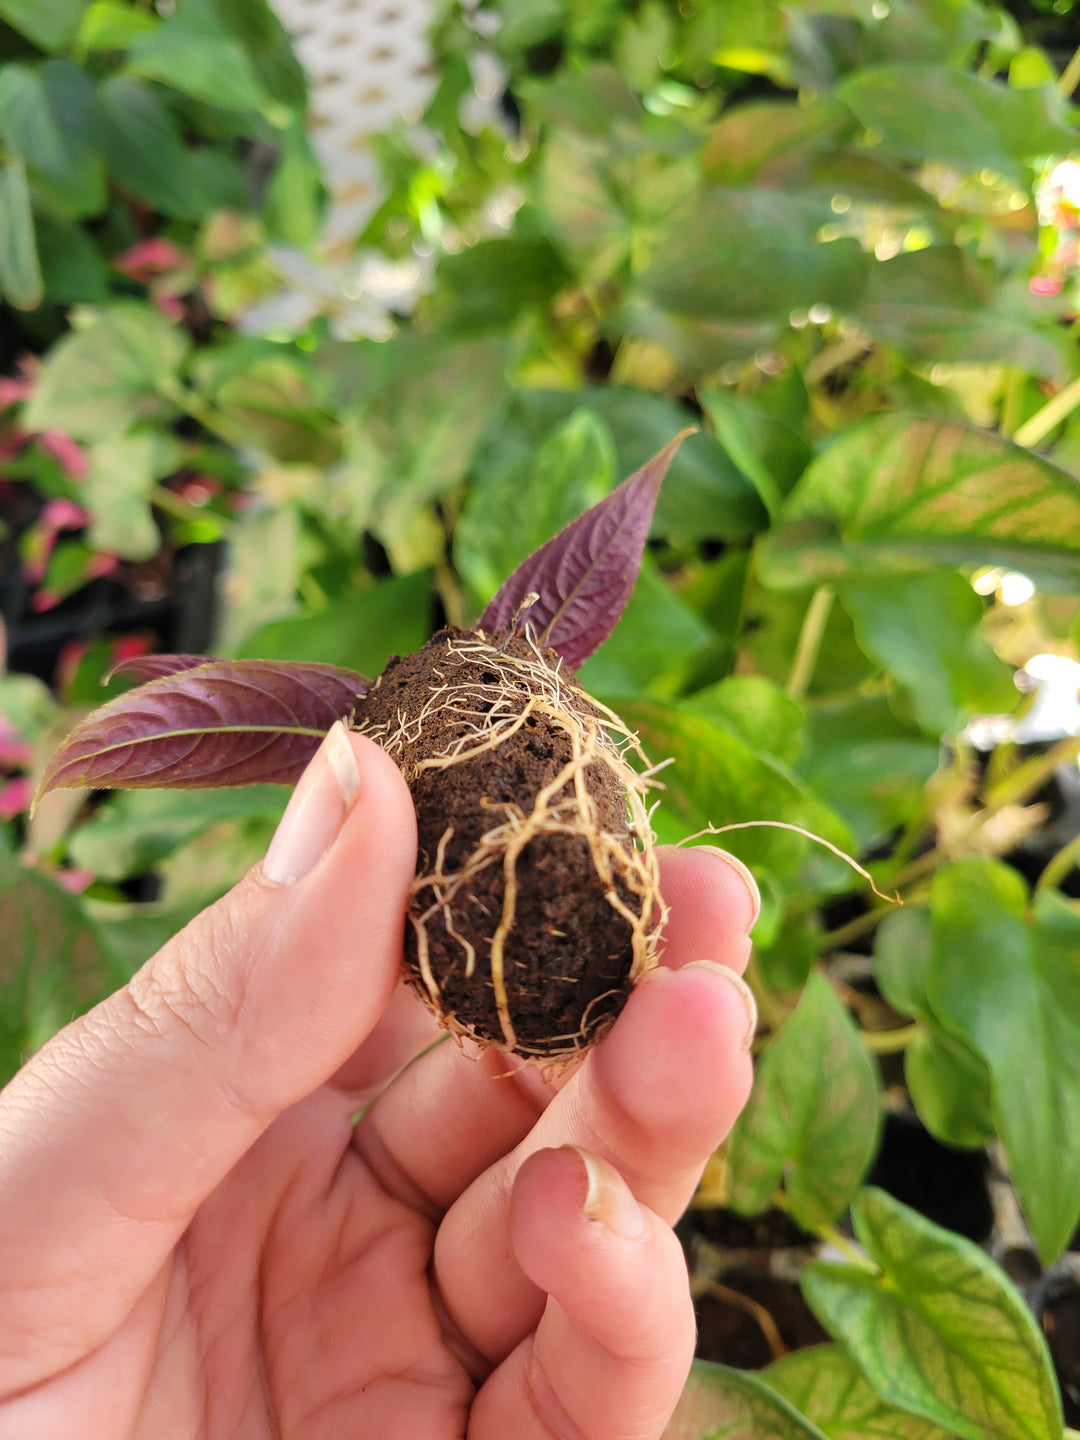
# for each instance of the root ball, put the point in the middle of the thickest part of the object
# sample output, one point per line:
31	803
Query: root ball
536	904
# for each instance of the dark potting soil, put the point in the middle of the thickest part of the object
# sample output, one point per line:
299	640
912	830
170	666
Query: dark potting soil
568	954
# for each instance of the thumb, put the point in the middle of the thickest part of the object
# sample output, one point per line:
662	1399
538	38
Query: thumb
114	1134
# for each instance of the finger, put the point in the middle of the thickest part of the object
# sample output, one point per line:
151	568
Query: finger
120	1127
655	1098
714	903
444	1121
611	1352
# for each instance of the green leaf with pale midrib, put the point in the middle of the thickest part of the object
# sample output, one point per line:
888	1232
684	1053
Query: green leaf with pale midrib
898	489
1010	988
824	1384
940	1331
719	1403
812	1120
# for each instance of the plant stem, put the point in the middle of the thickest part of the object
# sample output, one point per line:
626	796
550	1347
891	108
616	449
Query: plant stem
838	938
1012	394
1025	780
834	1236
1059	865
1070	76
1051	414
180	509
887	1042
810	638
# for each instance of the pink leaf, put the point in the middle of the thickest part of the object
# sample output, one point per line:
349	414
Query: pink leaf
147	258
227	722
15	797
584	576
153	667
69	453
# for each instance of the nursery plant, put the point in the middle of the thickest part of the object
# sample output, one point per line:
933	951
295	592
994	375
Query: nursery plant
840	239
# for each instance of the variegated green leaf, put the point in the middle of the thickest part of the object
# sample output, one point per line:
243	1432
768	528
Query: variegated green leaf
824	1384
723	1404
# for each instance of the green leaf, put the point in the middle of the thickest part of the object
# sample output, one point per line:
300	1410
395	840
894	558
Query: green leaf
50	24
490	285
872	765
294	197
770	142
71	264
358	632
752	254
117	488
769	453
948	1082
26	703
53	963
47	117
1011	989
812	1121
111	25
940	1331
652	646
572	470
758	711
144	150
723	1404
824	1384
212	68
108	372
718	779
136	829
923	630
939	112
896	487
20	273
943	304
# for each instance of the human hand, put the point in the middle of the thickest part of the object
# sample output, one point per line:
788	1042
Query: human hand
197	1241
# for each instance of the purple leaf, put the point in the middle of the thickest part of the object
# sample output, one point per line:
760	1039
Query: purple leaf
585	575
153	667
225	722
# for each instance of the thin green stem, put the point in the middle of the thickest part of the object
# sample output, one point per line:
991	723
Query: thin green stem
1070	76
1011	400
1059	865
809	644
179	508
1024	782
887	1042
830	1235
844	934
1052	414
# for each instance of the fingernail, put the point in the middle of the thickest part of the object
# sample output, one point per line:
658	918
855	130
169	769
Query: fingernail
746	995
744	874
316	811
608	1198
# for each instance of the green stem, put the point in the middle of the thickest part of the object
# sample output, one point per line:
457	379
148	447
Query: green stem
810	638
1024	782
1011	399
834	1236
200	410
887	1042
1070	76
844	934
1052	413
1059	865
174	505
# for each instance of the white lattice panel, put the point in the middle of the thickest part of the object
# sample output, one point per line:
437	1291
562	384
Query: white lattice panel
368	64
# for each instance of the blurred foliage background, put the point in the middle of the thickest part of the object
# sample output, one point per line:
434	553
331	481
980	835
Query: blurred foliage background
840	236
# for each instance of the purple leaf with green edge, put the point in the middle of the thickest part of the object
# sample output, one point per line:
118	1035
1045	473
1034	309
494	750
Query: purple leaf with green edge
154	667
226	722
584	575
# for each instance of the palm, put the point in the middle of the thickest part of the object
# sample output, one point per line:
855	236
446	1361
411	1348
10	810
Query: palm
305	1271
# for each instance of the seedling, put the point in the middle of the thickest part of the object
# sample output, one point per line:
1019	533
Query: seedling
536	905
